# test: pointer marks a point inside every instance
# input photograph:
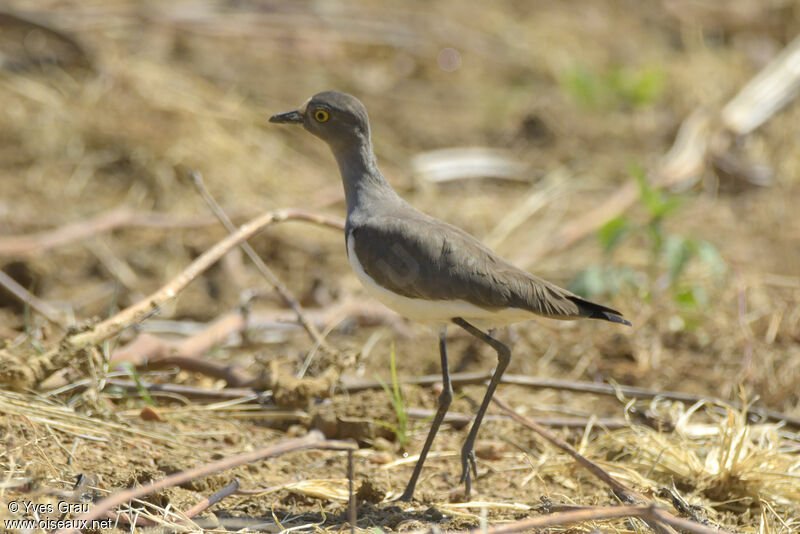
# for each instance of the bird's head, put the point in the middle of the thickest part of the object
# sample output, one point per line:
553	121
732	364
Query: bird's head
335	117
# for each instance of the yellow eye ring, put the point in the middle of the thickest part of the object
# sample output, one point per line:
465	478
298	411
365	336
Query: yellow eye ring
321	115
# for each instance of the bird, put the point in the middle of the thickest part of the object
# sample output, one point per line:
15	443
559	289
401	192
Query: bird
426	269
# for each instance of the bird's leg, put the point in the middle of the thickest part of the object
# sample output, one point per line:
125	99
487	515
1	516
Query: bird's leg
445	398
503	357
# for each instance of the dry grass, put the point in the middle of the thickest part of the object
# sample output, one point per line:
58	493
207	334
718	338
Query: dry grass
164	89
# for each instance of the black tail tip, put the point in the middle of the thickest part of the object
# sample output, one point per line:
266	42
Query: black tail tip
615	318
597	311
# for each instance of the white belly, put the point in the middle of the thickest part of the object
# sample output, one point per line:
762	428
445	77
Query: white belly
434	311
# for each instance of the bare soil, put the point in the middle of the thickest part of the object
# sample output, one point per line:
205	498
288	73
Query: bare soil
109	104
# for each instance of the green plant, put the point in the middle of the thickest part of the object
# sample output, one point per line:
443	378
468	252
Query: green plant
30	334
637	87
616	87
134	374
670	254
398	403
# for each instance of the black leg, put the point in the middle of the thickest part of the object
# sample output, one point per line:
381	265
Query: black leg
503	357
445	398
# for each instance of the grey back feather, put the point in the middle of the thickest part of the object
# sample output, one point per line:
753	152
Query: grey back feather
417	256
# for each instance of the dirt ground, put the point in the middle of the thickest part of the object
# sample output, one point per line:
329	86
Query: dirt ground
108	106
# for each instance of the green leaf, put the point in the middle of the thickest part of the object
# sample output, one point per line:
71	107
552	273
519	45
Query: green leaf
657	204
613	88
598	280
691	297
649	86
134	374
582	86
710	256
677	253
685	297
611	233
589	283
398	402
637	88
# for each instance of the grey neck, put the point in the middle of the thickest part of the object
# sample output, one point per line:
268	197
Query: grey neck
363	181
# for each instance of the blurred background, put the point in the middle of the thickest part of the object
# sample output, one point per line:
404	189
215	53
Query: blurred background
552	109
598	144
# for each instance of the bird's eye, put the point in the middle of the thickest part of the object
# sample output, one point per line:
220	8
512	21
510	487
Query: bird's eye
321	115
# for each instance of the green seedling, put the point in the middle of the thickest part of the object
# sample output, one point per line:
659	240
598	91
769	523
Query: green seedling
617	87
583	86
398	403
134	374
670	254
636	87
29	331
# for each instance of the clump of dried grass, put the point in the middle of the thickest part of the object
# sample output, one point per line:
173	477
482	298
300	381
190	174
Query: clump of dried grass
728	471
714	458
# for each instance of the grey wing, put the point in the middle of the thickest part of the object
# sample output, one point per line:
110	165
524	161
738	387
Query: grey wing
422	257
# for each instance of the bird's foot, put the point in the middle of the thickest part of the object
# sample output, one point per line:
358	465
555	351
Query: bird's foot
407	496
468	462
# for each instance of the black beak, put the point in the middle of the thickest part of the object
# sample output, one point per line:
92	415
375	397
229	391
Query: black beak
290	117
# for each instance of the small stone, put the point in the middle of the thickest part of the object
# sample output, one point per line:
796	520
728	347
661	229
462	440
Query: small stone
149	413
489	449
295	431
457	495
380	457
382	444
327	424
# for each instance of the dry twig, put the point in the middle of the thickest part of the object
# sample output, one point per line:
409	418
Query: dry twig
648	513
460	420
661	522
35	369
599	388
352	516
283	291
151	352
699	141
187	391
148	351
137	312
312	440
620	490
29	299
33	245
210	501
